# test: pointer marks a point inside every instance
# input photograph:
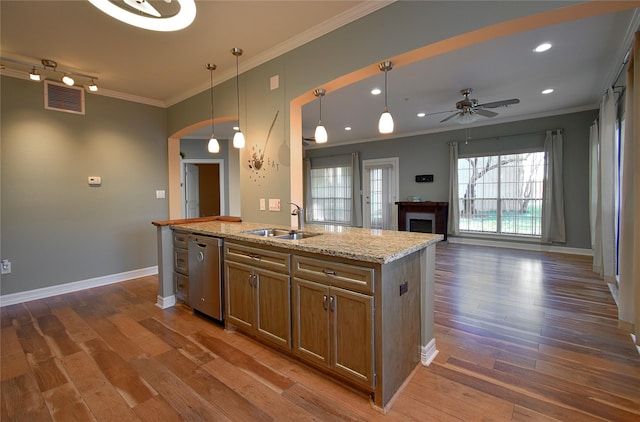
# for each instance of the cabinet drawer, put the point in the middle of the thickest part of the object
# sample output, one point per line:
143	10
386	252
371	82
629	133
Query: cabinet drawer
180	239
348	276
271	260
181	286
181	261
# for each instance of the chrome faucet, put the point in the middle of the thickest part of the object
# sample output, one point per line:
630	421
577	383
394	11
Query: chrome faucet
299	212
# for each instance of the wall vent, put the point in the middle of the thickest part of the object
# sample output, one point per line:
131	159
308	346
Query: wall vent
65	98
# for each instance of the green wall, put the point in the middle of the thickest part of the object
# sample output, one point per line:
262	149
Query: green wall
55	227
429	154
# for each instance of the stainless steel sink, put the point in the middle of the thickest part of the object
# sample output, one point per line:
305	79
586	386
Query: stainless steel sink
281	233
268	232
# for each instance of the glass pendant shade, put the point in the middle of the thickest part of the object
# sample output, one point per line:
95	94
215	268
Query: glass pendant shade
466	118
321	134
238	140
385	124
213	146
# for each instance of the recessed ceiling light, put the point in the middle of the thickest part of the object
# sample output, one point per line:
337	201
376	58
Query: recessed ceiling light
376	91
547	91
421	114
542	47
347	128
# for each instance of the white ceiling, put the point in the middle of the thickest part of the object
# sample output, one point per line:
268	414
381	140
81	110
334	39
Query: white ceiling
165	68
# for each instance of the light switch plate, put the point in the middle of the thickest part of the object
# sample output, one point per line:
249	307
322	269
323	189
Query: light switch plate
94	180
274	204
160	194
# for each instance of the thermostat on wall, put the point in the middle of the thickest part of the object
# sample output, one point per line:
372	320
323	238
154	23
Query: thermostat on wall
95	180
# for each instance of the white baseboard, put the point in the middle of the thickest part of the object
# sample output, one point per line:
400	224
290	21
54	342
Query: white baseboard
428	352
529	246
166	302
26	296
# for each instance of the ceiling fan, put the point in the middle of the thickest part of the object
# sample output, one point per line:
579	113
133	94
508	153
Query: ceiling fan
468	109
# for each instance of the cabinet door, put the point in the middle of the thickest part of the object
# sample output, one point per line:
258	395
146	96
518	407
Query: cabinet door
351	316
240	303
273	313
310	321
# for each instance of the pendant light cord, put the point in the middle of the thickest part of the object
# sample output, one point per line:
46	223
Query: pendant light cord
238	93
385	90
211	95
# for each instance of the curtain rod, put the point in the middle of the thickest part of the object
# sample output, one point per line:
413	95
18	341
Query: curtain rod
561	130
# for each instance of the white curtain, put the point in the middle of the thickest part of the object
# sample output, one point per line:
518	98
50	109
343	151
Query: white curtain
553	226
454	203
308	200
629	287
594	141
356	194
604	252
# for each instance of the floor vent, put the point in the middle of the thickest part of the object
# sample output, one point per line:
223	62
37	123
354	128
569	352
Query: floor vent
65	98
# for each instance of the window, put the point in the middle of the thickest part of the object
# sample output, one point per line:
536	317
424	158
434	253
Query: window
511	183
331	190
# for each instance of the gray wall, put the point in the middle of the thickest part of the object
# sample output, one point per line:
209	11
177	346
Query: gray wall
55	227
429	154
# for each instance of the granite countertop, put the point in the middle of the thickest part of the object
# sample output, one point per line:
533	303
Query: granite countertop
369	245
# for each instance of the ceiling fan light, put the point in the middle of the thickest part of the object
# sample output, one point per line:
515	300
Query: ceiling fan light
321	134
213	146
385	124
182	19
238	140
68	80
466	118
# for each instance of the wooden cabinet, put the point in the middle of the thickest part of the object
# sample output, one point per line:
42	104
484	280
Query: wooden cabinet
333	327
258	293
181	265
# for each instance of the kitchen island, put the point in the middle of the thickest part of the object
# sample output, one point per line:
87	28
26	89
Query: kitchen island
355	303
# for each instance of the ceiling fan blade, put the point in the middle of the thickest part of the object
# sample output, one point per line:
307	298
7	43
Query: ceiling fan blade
440	112
486	113
502	103
449	118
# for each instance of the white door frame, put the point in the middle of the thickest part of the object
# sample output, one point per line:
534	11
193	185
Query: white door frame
394	163
223	183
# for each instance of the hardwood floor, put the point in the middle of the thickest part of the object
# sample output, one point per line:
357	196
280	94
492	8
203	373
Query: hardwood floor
521	335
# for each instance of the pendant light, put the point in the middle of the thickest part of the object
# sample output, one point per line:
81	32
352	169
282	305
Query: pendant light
321	132
213	146
238	138
385	124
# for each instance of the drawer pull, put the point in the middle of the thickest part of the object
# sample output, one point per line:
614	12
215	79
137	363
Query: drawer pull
329	272
255	256
332	302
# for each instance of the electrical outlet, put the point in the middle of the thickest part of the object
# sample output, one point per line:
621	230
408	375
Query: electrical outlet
263	205
5	267
274	205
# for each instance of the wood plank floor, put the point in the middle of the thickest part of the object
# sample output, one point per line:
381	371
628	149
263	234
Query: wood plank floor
522	336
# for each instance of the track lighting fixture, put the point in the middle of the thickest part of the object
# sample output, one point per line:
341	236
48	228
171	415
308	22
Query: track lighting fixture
321	132
238	138
48	69
385	124
68	80
34	75
213	146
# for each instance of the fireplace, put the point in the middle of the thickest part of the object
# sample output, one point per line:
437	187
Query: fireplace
424	217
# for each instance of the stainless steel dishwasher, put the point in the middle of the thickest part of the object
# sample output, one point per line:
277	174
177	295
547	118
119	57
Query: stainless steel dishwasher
205	275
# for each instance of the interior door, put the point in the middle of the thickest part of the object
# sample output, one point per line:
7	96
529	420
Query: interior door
192	190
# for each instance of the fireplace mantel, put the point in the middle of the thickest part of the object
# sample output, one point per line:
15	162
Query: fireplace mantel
439	209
